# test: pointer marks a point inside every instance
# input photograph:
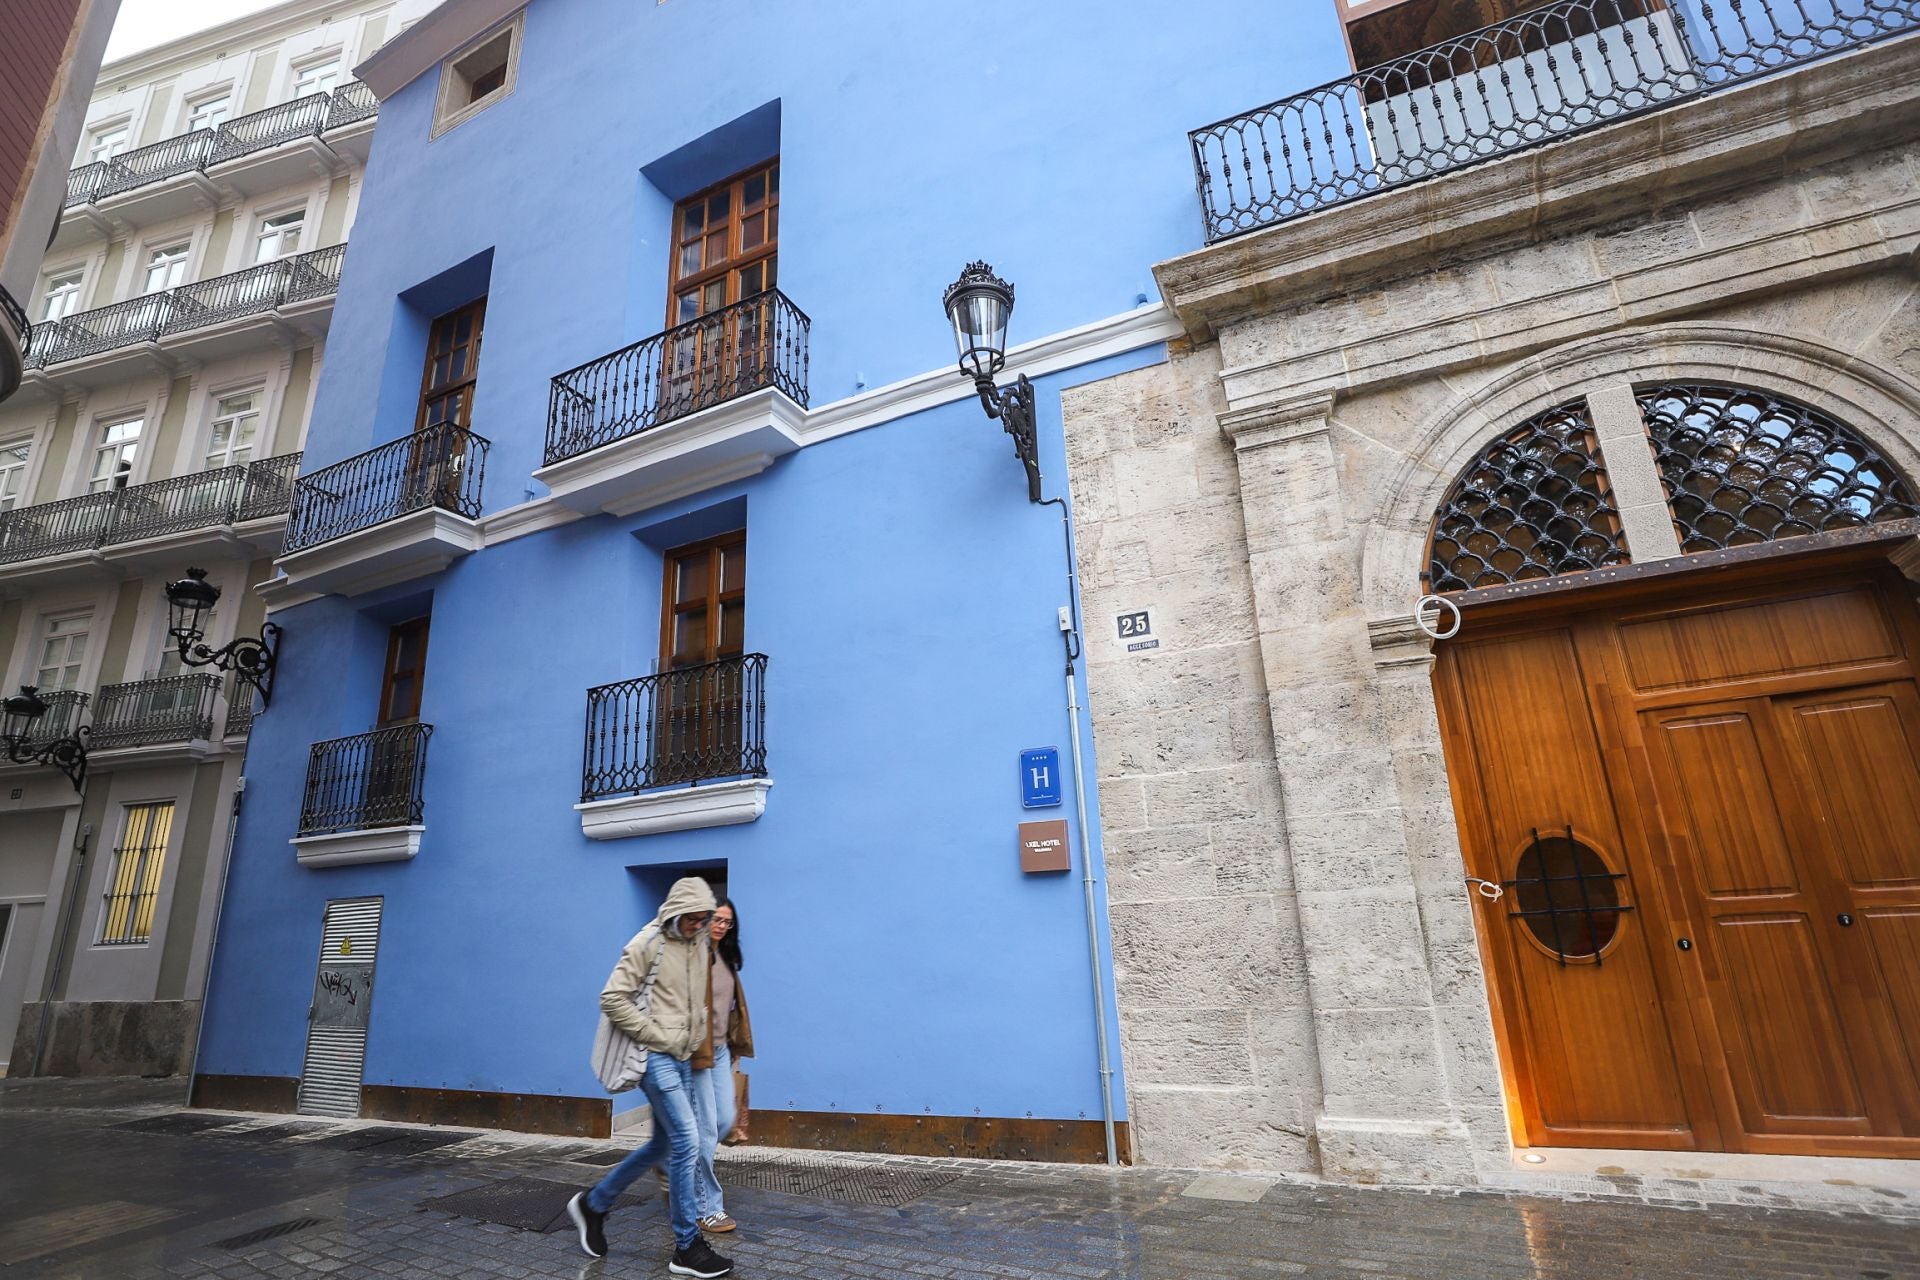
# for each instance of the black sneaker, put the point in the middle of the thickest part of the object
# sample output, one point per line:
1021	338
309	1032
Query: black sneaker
699	1260
592	1227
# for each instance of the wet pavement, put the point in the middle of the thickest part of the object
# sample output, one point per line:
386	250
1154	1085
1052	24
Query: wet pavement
114	1179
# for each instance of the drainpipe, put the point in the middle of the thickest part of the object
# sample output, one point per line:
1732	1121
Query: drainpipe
1070	638
213	939
74	889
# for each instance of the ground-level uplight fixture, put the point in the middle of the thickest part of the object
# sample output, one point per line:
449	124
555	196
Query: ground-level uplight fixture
251	658
18	715
980	304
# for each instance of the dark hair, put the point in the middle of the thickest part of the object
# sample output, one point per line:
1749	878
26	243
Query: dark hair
729	946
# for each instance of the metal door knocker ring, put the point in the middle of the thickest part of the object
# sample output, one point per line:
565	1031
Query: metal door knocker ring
1441	607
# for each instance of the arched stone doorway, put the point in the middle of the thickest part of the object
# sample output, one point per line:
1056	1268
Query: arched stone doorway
1682	732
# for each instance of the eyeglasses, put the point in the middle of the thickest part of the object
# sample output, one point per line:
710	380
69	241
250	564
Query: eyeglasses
725	922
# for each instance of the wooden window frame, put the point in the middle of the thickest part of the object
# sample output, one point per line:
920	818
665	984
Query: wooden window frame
395	634
735	258
468	384
712	601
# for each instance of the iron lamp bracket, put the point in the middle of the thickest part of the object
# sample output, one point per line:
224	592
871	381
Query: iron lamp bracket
1012	408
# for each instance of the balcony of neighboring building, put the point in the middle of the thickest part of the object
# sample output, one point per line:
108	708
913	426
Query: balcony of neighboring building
365	797
157	719
286	301
399	511
235	510
194	172
676	750
703	403
1407	114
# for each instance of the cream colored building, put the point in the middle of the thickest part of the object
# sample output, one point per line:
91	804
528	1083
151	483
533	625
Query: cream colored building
1627	863
178	327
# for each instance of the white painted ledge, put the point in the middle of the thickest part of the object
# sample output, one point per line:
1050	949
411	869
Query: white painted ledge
347	848
399	550
720	804
716	446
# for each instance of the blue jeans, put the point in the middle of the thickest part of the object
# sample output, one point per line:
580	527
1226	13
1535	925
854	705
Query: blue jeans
669	1088
713	1112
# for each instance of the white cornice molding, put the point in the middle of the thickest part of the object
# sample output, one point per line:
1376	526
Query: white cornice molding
1112	336
421	47
1068	349
246	32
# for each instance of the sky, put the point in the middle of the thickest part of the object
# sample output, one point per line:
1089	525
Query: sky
145	23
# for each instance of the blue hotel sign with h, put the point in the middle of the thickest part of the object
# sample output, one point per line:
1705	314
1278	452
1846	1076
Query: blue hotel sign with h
1039	777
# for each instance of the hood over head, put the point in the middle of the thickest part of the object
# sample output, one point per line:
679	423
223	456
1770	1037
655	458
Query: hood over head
690	895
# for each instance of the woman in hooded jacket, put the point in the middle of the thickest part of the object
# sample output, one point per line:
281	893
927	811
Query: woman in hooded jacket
658	996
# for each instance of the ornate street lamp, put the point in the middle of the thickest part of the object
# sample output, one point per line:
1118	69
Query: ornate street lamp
980	303
18	715
249	657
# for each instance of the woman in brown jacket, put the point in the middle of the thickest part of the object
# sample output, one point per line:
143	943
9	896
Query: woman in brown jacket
729	1036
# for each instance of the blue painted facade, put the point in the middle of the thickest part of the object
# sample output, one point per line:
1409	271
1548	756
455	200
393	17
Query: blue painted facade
902	586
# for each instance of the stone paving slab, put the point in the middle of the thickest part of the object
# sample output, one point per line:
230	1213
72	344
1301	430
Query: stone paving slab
83	1196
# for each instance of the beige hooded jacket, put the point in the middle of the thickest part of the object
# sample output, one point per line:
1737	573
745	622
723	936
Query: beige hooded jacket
675	1021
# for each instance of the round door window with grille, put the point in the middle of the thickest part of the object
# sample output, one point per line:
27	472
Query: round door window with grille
1743	466
1566	897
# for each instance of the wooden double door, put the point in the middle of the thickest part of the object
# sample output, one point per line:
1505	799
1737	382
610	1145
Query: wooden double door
1703	810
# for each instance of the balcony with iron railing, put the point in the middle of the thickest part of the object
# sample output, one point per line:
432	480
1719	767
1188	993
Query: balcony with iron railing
398	511
1546	74
701	730
741	369
114	520
201	149
180	315
164	711
65	710
365	797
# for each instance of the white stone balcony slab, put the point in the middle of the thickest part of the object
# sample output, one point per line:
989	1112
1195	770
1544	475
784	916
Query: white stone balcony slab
399	550
716	804
730	441
349	848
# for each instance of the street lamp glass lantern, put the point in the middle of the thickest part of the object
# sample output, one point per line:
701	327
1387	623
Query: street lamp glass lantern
18	713
189	599
980	303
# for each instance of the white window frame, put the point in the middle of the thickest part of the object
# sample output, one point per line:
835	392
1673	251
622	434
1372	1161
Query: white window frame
176	265
79	275
150	869
21	472
100	446
301	70
122	126
263	231
258	394
221	98
454	105
42	633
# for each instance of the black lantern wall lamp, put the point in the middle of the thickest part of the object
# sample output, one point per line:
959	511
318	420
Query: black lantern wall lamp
18	715
251	658
980	304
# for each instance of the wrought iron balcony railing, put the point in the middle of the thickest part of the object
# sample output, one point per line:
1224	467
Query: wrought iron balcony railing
366	781
440	466
351	101
145	713
1542	75
152	316
697	723
64	709
156	162
240	700
756	343
243	135
180	504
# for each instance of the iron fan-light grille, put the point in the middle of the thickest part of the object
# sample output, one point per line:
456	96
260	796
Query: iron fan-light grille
1534	504
1744	466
